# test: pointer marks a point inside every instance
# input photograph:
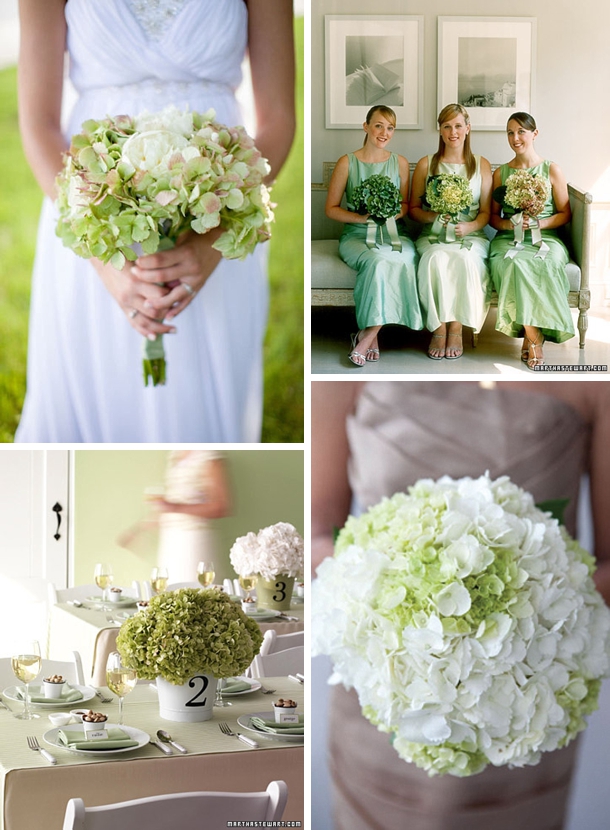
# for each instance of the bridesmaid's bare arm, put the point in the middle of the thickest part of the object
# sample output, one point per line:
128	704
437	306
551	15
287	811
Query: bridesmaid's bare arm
40	83
272	64
331	403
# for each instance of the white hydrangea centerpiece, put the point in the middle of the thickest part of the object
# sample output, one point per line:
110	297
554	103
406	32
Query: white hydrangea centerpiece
274	550
467	621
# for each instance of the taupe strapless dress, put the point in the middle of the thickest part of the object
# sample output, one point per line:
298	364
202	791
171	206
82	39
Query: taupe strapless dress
399	433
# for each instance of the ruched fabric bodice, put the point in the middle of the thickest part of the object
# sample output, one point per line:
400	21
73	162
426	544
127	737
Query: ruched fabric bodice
402	432
138	68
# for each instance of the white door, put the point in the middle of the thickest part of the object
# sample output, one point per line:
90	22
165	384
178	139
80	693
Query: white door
34	539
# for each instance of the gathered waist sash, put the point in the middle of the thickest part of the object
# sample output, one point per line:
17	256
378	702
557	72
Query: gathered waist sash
173	89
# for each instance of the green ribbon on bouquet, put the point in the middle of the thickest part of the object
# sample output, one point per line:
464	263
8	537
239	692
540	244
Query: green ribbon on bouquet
371	233
442	227
519	235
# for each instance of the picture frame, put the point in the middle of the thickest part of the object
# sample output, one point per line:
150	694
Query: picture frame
487	64
374	59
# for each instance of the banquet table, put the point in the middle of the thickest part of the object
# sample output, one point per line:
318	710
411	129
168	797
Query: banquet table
34	793
91	631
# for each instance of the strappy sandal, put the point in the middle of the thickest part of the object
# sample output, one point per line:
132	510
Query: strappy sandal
460	351
535	360
525	350
435	356
372	359
354	338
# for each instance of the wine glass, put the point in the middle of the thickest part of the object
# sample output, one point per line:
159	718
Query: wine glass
26	665
205	573
248	582
219	700
120	679
158	580
103	577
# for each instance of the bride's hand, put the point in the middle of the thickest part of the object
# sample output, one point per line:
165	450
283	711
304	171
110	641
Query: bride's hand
133	296
183	269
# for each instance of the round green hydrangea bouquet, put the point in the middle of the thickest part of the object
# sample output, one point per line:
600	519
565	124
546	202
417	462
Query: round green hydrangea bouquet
381	199
187	631
467	621
448	194
135	184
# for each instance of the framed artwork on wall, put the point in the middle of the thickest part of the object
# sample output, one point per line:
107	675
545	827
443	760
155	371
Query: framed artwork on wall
371	60
487	64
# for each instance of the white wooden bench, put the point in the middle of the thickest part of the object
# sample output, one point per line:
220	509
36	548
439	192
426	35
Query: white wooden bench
332	281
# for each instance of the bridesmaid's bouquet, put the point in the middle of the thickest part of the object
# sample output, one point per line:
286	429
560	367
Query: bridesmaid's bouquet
467	620
523	192
448	193
381	199
131	185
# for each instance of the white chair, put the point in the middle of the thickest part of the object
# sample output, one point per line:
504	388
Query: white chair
273	642
81	592
280	664
180	811
72	670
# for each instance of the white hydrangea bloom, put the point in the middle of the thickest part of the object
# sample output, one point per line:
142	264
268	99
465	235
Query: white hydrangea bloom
467	621
277	549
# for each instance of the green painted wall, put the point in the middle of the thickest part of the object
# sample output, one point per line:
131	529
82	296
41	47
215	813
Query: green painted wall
267	487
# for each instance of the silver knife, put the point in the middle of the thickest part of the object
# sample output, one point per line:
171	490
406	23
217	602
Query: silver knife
163	747
247	740
287	618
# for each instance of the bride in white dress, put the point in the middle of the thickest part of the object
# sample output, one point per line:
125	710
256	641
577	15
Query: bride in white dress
84	379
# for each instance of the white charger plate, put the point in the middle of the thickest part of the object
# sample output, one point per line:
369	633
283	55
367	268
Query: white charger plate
254	687
244	722
87	694
51	737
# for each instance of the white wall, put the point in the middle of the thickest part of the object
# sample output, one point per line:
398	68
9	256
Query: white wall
571	99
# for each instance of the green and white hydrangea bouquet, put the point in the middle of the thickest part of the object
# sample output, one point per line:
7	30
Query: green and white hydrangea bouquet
448	194
134	184
467	621
188	631
381	199
524	194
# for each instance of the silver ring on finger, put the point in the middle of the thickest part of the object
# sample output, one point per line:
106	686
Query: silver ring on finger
189	288
133	313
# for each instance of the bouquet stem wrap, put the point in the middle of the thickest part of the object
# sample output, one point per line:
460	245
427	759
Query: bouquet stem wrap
446	229
153	361
371	233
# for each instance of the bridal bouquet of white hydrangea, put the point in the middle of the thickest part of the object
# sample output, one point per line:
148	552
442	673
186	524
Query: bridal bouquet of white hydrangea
133	185
468	623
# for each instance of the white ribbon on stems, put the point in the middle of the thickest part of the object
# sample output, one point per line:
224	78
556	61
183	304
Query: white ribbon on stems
441	224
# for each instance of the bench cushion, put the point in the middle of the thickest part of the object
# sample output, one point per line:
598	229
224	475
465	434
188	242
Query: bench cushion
327	269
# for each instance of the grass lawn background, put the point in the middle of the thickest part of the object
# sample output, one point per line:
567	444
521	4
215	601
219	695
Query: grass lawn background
20	200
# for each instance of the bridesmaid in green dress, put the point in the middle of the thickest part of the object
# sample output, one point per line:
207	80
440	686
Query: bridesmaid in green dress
452	276
385	290
532	290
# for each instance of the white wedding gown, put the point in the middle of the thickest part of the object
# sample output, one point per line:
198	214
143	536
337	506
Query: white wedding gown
84	360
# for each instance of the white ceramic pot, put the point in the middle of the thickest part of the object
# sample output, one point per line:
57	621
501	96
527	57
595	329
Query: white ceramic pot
53	690
191	702
115	596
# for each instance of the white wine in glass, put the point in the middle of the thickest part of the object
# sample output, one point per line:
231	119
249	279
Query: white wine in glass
158	580
103	577
120	679
248	582
26	665
206	573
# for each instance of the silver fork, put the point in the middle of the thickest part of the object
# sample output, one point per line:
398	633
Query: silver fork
102	697
33	744
266	691
225	729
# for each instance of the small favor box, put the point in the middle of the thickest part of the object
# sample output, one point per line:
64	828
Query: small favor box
115	594
285	713
248	607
